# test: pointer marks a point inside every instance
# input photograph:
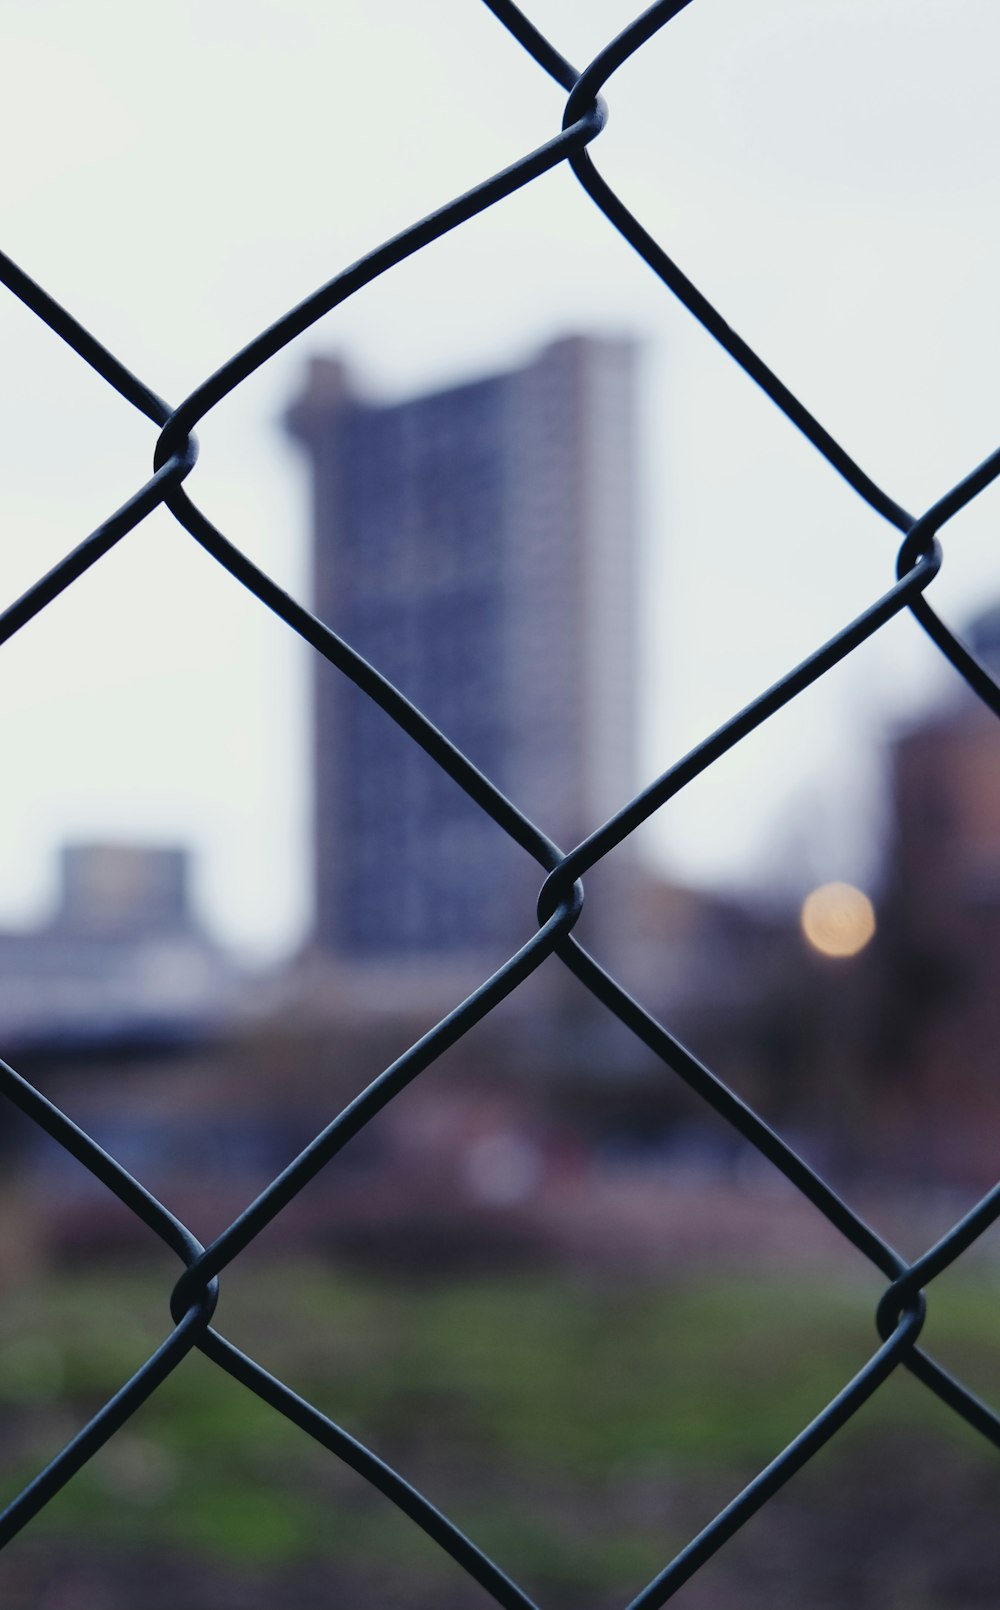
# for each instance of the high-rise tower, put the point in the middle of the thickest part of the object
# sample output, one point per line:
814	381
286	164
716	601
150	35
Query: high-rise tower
478	545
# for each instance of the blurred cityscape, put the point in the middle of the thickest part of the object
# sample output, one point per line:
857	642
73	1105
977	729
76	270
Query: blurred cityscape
480	547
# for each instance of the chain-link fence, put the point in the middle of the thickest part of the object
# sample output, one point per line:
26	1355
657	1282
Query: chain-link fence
900	1313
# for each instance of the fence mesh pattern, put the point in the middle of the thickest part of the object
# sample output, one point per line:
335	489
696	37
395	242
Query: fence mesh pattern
900	1312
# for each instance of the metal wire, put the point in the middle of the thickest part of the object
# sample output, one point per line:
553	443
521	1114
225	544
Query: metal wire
900	1313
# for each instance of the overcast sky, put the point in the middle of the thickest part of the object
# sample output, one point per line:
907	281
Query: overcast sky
825	172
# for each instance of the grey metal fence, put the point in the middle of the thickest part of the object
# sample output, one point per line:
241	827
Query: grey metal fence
900	1313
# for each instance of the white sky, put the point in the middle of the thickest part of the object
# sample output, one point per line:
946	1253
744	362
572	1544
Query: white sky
826	172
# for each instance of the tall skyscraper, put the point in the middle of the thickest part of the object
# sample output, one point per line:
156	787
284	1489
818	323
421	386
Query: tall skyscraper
478	545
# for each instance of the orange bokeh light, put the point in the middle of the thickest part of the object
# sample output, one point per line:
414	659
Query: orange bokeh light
838	919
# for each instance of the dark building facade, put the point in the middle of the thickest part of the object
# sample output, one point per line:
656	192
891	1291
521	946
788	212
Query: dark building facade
478	546
940	935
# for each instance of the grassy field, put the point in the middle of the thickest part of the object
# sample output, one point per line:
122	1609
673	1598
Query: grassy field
580	1432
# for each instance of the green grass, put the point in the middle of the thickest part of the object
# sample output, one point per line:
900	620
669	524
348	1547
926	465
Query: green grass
526	1407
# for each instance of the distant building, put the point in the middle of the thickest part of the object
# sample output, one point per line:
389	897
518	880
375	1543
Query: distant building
125	891
940	934
478	545
122	964
946	801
